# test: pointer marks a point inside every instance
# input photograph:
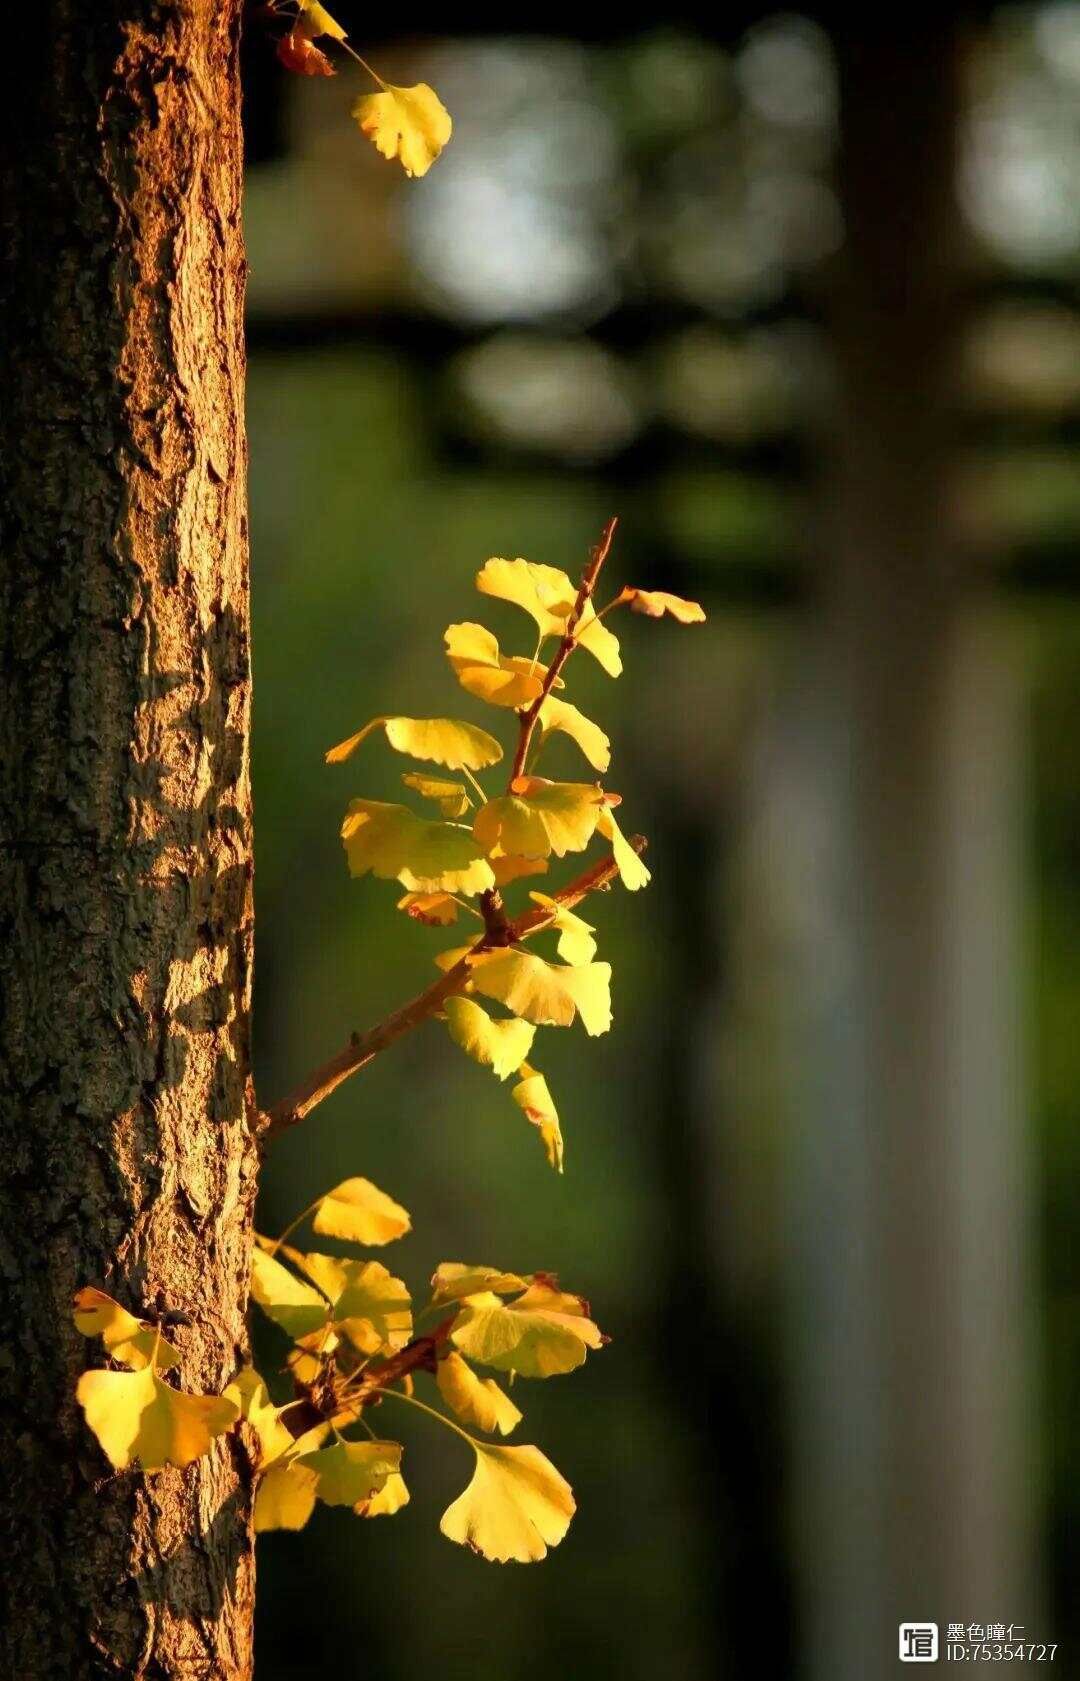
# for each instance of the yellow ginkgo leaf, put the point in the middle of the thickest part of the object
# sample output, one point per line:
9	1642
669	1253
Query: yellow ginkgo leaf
631	869
140	1419
540	817
394	844
534	1100
501	1046
548	596
442	741
388	1500
285	1496
407	123
371	1307
453	1281
477	1400
284	1298
349	1473
307	1357
575	943
513	867
315	20
434	910
549	994
249	1394
657	602
516	1506
128	1340
559	715
544	1333
500	679
359	1212
450	797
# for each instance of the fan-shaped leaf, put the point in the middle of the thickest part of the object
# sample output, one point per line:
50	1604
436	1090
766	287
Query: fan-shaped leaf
407	123
349	1473
250	1396
548	596
516	1506
657	602
371	1306
534	1100
559	715
450	797
501	1046
545	1332
550	994
393	843
540	817
442	741
285	1496
284	1298
315	20
500	679
575	944
631	869
389	1499
359	1212
128	1340
138	1418
477	1400
453	1281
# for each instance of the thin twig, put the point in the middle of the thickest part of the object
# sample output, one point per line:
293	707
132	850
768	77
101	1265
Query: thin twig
363	1047
566	647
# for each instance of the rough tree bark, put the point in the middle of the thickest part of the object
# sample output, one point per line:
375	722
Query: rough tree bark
126	1114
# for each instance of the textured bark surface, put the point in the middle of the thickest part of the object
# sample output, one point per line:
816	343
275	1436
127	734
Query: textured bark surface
126	1113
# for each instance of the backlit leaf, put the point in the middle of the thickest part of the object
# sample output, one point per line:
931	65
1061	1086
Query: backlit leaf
450	797
140	1419
442	741
126	1339
394	844
371	1307
500	679
544	1333
453	1281
407	123
316	20
657	602
284	1298
516	1506
559	715
548	596
349	1473
501	1045
359	1212
388	1500
631	869
540	817
434	910
284	1496
575	943
550	994
250	1396
476	1400
513	867
534	1100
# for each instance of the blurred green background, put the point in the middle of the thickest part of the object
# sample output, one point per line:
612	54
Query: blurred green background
618	291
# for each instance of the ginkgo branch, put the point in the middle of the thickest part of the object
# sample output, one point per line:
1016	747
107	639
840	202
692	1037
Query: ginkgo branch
362	1048
566	647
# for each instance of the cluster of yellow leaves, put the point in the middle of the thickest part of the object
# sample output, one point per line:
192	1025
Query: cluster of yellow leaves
410	124
513	834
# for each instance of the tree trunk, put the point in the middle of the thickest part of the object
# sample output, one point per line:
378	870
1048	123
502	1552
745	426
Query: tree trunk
126	1112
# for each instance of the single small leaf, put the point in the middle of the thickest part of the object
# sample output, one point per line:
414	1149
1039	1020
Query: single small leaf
138	1418
548	596
284	1298
575	944
128	1340
631	869
298	53
544	1333
316	20
453	1281
434	910
534	1100
349	1473
442	741
250	1396
500	679
516	1506
389	1499
285	1496
451	797
371	1307
559	715
426	857
501	1046
407	123
359	1212
549	994
476	1400
657	602
513	867
540	817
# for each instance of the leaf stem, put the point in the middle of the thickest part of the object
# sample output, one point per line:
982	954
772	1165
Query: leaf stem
291	1227
374	74
411	1401
476	785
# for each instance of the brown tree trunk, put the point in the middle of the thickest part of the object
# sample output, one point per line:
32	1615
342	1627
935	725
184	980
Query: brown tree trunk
126	1136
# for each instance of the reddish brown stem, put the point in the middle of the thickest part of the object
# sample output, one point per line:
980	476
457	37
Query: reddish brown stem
589	579
362	1047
